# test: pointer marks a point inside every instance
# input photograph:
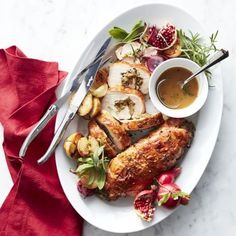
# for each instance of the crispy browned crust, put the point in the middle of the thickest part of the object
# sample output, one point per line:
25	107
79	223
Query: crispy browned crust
145	122
96	132
130	171
114	130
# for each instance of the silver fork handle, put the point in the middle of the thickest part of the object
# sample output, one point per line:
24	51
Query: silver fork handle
57	137
52	110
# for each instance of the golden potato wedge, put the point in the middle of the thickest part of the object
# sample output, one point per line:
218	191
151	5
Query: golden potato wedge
74	138
87	146
93	144
97	106
70	149
100	91
86	105
83	147
70	145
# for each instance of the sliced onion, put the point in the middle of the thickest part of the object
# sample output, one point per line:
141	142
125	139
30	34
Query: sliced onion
153	62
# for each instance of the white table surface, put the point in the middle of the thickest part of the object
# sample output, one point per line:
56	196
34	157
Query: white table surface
58	30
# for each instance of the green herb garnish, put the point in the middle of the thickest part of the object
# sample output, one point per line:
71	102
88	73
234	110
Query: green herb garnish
165	197
93	168
118	33
187	91
175	195
123	36
194	49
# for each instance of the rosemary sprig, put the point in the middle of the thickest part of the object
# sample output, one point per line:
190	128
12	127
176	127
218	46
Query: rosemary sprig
194	49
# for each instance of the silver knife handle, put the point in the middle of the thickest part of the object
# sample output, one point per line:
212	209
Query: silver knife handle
52	110
57	137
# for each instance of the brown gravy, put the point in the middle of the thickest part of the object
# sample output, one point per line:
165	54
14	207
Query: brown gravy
171	93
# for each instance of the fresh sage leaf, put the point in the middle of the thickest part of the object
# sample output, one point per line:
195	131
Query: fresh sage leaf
134	34
101	179
88	160
137	25
83	167
124	36
118	33
100	150
95	158
92	175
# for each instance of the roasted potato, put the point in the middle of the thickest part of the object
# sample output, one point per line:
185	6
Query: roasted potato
87	146
83	147
100	91
70	145
93	144
86	105
97	106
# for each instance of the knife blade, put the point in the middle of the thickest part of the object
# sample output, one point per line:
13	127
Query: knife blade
72	109
78	79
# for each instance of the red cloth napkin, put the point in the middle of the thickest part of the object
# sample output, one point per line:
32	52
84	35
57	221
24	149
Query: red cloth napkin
36	205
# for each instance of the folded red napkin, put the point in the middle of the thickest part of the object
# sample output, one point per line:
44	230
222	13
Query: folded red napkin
36	205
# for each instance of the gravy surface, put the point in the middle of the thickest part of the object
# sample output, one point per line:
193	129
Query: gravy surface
171	93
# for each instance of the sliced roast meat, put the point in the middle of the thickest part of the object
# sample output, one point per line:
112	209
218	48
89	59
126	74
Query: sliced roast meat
133	169
114	130
98	133
124	103
134	76
145	121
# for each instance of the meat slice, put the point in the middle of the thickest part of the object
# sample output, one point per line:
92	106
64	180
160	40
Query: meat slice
128	50
133	169
96	132
134	76
145	121
114	130
124	103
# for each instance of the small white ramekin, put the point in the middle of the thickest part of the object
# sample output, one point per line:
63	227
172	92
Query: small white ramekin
202	88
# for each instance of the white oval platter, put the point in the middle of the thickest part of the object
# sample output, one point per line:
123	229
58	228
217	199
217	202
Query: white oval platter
119	216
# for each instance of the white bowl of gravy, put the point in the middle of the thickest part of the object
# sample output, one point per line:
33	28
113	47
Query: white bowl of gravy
174	101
